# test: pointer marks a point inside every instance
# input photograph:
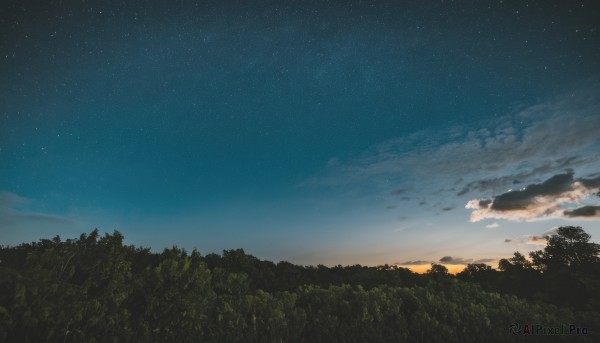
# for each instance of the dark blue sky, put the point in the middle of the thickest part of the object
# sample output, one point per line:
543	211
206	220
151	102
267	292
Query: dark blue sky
307	131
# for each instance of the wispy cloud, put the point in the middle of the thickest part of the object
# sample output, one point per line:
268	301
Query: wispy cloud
414	263
525	147
533	239
399	191
15	216
8	199
465	261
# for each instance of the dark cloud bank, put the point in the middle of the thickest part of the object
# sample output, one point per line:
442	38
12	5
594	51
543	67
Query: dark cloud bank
541	200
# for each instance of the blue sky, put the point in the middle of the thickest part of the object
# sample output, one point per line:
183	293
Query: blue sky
325	132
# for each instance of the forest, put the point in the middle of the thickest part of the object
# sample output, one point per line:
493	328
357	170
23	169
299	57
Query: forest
94	288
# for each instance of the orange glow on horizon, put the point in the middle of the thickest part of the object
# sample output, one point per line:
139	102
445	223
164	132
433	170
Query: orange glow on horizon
422	269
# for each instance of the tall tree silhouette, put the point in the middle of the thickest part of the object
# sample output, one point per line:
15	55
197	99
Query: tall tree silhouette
570	268
569	248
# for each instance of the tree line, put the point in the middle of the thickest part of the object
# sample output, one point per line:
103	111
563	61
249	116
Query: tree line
96	289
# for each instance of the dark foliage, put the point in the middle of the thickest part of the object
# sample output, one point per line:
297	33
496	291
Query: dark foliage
96	289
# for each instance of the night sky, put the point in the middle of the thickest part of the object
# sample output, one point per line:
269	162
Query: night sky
333	132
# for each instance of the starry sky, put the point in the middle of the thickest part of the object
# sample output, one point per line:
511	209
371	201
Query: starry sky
333	132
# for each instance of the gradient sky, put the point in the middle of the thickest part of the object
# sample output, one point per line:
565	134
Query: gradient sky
334	132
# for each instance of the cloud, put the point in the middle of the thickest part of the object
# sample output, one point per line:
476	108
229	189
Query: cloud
487	184
523	199
538	201
399	191
452	260
465	261
533	239
14	214
591	183
492	226
446	259
588	212
8	199
539	240
523	147
414	263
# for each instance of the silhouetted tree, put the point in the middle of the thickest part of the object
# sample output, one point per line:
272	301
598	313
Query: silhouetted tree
480	273
517	262
568	248
437	271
